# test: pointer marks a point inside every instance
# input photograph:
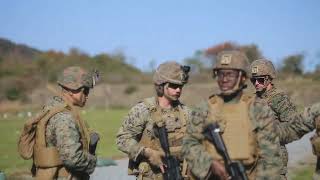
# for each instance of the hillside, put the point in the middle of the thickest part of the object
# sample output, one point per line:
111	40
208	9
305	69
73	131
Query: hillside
23	68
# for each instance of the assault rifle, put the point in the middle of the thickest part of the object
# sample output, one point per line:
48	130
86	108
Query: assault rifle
172	164
235	169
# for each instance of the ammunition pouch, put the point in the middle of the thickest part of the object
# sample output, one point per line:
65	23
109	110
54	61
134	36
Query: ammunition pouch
133	168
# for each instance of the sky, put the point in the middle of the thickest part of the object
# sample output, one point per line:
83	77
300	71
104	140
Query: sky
164	30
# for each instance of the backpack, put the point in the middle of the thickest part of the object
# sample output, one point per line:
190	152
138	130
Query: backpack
27	138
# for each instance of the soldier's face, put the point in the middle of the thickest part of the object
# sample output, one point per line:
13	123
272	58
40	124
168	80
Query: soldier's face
172	91
227	79
259	83
80	97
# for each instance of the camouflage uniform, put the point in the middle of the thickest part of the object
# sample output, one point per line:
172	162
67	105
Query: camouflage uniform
260	116
63	132
290	124
67	133
312	113
137	130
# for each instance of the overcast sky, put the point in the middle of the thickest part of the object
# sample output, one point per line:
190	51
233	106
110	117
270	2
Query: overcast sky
164	30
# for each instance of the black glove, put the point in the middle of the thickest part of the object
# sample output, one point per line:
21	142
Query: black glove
94	139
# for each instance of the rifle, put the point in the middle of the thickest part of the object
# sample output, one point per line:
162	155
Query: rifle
234	168
172	164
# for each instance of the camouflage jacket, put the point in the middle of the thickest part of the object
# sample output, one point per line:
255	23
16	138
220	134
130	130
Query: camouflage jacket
63	133
290	123
262	118
280	103
311	114
135	123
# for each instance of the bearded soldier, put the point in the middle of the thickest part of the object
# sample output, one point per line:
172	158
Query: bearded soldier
137	138
62	141
246	124
263	73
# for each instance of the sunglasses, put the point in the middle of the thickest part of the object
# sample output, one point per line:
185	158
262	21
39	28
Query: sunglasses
260	80
175	86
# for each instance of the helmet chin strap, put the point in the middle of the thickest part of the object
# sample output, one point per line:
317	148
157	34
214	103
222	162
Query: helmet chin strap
235	88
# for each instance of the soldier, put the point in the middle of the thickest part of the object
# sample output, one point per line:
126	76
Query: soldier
246	124
61	148
137	138
312	113
286	113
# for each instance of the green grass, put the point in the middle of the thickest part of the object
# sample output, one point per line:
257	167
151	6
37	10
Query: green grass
303	174
106	122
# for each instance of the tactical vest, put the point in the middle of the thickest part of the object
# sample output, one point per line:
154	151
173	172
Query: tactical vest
175	123
237	130
46	159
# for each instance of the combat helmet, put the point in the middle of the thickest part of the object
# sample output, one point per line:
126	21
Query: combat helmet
232	60
75	77
263	67
171	72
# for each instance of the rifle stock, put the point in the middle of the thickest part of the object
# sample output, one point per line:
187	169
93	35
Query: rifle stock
235	169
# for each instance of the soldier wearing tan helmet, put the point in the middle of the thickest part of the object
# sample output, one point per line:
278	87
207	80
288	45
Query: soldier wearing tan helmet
63	141
137	136
246	126
290	123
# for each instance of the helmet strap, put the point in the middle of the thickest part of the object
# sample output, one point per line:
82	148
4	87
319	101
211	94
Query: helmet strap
236	88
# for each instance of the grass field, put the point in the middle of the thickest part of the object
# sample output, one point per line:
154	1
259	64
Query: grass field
305	173
106	122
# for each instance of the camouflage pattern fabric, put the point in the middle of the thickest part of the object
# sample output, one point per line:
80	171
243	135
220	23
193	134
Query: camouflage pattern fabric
291	125
63	133
312	114
136	123
268	163
232	60
263	67
75	77
171	72
283	109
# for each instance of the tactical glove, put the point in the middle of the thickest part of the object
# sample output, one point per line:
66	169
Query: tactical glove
94	139
154	156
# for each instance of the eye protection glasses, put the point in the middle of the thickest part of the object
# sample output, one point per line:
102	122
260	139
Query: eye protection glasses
227	75
260	80
175	86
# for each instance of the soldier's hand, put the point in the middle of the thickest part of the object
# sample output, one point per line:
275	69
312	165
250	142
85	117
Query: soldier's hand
218	169
154	157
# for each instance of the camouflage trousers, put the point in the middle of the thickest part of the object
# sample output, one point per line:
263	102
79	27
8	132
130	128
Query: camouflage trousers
284	159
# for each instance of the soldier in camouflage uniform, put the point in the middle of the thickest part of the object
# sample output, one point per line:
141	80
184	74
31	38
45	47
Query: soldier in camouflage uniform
137	138
312	113
246	124
63	152
290	123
